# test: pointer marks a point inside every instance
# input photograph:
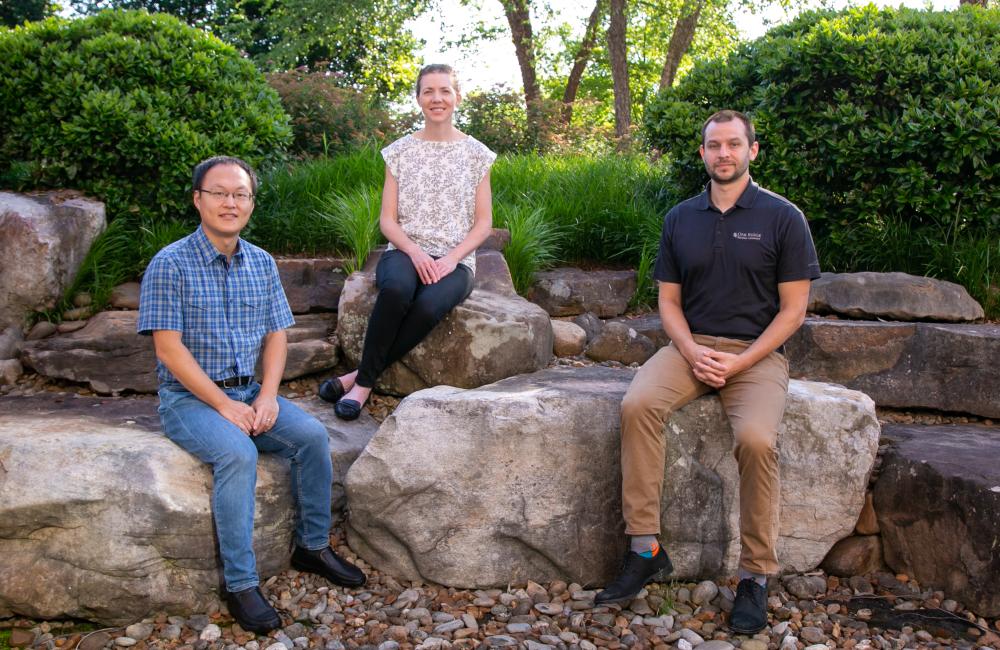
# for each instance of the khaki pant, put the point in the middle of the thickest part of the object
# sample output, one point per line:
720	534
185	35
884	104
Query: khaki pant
754	402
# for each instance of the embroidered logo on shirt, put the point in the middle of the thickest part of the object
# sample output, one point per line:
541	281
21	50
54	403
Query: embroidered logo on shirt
747	236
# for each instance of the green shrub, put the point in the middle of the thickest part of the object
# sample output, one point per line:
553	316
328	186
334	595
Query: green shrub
326	117
880	124
123	104
354	217
534	242
496	117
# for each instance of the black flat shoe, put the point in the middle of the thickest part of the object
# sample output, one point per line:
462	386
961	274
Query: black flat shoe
749	615
331	390
347	409
252	611
328	564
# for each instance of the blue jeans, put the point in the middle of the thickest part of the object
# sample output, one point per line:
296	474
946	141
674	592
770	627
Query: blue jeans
199	429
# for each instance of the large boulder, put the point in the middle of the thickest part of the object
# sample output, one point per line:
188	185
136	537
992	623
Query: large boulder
937	499
493	334
948	367
103	518
111	357
893	296
521	480
45	238
570	291
311	284
619	342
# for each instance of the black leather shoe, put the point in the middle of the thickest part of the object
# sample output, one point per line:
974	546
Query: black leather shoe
347	409
749	615
328	564
635	573
331	390
252	611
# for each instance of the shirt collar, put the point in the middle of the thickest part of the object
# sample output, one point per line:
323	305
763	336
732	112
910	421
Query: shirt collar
208	252
745	201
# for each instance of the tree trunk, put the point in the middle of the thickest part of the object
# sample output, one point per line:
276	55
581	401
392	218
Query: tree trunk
680	42
619	73
519	18
981	3
581	59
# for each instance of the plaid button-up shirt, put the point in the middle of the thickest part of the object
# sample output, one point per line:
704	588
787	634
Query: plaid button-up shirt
222	311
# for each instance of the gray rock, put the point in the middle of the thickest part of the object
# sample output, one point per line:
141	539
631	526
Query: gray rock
812	635
570	291
590	323
497	241
804	587
518	628
45	238
10	342
704	592
154	496
10	371
650	326
527	465
619	342
892	296
568	339
450	626
40	330
68	326
139	631
125	296
716	645
854	555
311	284
493	334
936	499
904	365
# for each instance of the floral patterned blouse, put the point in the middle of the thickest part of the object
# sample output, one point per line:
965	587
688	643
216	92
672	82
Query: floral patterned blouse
437	190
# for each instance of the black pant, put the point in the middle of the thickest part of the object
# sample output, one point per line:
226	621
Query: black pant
406	310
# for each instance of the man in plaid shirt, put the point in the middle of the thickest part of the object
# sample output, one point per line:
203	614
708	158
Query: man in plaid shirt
213	304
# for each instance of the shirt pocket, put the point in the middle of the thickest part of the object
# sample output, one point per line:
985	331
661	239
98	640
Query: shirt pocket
201	313
250	314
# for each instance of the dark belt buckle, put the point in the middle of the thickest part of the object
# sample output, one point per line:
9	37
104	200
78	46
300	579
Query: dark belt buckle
233	382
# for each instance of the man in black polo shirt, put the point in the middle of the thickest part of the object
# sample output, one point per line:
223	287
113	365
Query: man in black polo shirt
734	269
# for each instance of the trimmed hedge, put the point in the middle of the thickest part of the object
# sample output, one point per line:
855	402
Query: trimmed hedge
123	104
880	124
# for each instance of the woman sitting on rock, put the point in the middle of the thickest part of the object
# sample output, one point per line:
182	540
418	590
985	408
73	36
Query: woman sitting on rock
436	211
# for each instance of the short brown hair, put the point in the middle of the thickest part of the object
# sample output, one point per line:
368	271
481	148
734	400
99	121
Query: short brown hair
438	67
728	115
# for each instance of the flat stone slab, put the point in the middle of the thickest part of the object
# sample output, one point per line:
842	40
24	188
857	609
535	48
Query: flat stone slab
103	518
947	367
892	296
493	334
311	284
521	480
937	500
570	291
109	356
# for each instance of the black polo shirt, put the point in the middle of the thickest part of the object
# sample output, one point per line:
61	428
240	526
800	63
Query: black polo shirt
729	265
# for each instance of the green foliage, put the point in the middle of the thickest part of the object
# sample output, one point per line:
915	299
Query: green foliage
15	12
354	217
327	118
496	118
534	242
288	217
880	124
122	105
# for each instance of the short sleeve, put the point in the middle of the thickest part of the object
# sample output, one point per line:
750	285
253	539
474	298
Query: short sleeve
484	158
797	260
160	297
390	155
280	314
665	269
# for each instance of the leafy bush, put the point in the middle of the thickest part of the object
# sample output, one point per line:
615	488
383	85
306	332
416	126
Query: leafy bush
123	104
534	242
326	117
496	118
880	124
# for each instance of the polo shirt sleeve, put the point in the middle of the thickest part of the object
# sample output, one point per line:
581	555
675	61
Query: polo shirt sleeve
666	266
280	314
797	259
160	298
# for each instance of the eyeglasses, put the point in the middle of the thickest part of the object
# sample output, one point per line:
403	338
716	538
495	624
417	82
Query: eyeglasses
239	197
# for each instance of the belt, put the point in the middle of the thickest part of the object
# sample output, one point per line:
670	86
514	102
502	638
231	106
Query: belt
233	382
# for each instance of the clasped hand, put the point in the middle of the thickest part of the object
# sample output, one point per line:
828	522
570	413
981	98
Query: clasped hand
430	270
252	420
713	367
